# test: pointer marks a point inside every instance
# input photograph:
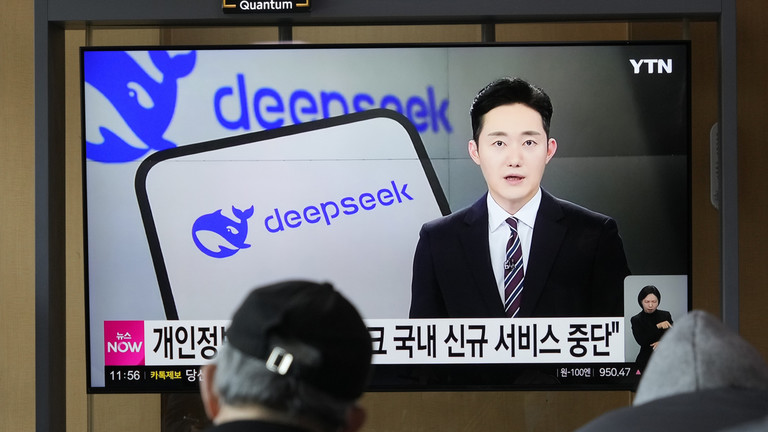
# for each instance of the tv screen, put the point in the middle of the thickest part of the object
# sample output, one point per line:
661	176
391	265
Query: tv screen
209	171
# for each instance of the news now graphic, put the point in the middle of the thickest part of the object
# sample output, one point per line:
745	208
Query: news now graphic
140	106
124	343
234	232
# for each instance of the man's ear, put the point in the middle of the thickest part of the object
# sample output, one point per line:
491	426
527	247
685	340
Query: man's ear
473	151
355	419
207	393
551	148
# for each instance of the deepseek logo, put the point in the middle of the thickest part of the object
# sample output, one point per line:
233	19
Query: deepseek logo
136	106
144	104
234	232
272	109
327	211
324	213
123	343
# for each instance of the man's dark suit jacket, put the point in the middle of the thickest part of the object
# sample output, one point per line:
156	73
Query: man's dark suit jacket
576	265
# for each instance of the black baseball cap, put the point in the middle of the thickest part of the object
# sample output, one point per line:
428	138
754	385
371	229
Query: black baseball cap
307	330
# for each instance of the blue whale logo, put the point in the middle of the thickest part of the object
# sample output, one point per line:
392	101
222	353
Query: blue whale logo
135	108
234	232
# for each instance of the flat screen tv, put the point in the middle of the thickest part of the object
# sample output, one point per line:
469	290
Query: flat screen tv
209	171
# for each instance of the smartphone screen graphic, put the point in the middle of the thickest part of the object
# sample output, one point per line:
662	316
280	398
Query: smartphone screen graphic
339	200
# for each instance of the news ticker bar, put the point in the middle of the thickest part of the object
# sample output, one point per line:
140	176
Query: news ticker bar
158	379
395	341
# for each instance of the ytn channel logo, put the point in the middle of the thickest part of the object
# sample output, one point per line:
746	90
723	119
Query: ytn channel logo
235	231
651	66
124	343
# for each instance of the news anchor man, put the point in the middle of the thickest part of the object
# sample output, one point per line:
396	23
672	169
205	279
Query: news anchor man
562	259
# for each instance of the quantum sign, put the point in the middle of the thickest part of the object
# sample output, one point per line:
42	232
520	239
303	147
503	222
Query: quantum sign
265	6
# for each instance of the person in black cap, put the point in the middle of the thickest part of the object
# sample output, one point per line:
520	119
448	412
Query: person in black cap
297	358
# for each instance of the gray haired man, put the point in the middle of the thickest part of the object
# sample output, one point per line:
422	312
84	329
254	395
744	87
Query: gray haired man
297	359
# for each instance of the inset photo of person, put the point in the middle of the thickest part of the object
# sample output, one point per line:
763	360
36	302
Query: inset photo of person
646	318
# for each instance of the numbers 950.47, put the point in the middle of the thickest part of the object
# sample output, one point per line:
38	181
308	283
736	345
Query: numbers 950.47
614	371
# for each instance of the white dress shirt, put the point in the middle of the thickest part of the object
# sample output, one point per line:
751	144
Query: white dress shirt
498	234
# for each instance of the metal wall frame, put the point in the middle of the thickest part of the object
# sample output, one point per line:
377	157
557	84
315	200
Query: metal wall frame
53	16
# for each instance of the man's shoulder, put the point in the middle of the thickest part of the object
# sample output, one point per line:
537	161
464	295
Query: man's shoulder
467	215
575	212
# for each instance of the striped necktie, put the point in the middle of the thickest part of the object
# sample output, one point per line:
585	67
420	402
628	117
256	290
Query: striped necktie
513	271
